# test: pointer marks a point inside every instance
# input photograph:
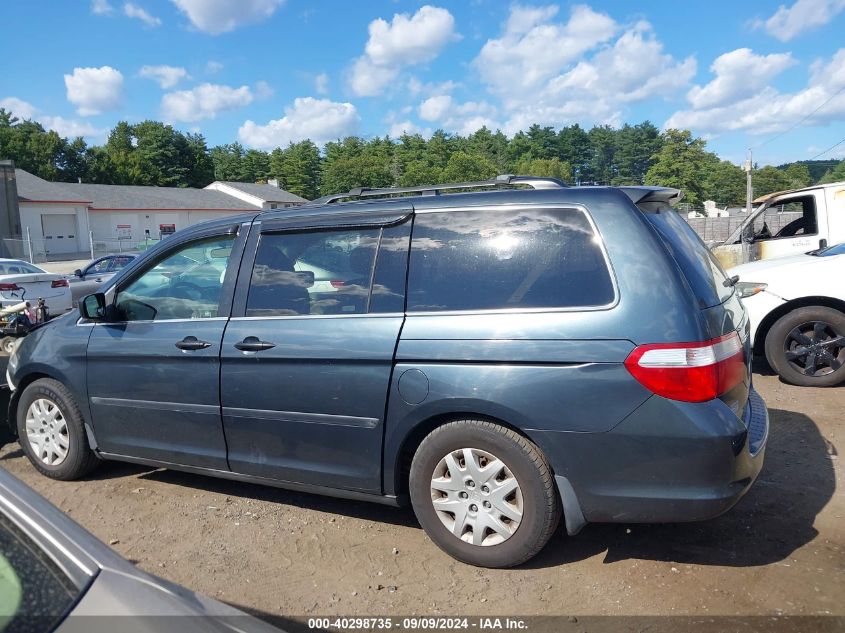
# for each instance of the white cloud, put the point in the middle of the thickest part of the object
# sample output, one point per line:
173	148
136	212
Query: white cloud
212	67
533	50
72	128
221	16
166	76
404	41
262	90
802	17
18	107
139	13
463	118
321	84
738	73
369	79
433	108
769	111
101	7
94	90
587	68
205	101
321	120
417	87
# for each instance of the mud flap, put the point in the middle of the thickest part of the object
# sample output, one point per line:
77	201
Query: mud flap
7	435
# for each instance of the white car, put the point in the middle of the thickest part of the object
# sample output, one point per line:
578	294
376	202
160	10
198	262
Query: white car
21	281
797	309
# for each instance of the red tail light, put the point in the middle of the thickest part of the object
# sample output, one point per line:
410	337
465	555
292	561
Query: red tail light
9	287
337	283
60	283
691	372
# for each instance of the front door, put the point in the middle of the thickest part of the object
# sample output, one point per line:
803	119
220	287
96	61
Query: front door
154	368
308	354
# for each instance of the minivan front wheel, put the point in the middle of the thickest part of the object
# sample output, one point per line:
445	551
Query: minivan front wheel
483	493
51	431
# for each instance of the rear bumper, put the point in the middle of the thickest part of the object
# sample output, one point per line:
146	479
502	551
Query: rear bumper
667	462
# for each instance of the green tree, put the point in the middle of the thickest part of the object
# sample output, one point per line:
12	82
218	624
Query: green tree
635	146
550	168
769	179
464	167
724	183
835	174
603	161
574	148
420	172
297	168
680	163
798	175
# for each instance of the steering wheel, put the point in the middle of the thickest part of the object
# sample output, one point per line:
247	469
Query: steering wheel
793	227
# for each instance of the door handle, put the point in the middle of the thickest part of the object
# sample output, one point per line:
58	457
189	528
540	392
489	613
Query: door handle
192	343
253	344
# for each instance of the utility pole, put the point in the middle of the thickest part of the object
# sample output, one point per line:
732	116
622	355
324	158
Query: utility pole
748	188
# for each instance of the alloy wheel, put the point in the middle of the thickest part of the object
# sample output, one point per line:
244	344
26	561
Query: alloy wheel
815	348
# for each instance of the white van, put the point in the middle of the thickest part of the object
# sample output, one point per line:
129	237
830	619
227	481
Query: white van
787	223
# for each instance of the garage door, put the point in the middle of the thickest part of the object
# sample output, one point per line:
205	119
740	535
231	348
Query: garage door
59	233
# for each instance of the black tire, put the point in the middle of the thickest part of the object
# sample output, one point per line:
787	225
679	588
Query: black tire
783	348
80	459
522	459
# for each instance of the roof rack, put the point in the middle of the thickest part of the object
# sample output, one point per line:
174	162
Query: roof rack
434	190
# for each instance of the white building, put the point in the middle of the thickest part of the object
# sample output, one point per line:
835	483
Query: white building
59	219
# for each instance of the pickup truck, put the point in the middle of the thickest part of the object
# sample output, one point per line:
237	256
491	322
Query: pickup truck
787	223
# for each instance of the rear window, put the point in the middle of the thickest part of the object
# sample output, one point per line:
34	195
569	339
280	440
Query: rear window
701	269
477	260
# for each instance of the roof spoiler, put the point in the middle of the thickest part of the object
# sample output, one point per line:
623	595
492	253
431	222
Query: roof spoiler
667	195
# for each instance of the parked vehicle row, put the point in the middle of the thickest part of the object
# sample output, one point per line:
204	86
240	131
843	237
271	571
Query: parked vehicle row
501	359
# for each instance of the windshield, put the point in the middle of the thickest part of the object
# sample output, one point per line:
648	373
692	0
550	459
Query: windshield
32	587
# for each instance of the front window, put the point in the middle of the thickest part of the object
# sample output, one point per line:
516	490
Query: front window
186	284
790	217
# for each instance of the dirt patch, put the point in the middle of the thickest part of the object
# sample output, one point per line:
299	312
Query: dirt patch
781	550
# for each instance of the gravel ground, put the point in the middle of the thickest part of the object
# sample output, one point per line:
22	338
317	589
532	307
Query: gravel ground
781	550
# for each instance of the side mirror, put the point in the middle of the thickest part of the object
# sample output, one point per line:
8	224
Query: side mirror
93	307
77	273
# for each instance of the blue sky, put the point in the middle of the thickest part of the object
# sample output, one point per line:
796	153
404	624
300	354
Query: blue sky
267	72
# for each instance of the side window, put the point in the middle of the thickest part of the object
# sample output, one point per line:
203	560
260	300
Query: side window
477	260
186	284
792	217
314	272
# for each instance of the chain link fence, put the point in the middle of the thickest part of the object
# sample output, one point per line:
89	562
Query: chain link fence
38	250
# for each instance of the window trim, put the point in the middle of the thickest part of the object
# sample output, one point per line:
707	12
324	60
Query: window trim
520	207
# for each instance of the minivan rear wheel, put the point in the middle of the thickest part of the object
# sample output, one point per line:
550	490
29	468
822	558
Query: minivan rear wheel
806	347
483	493
51	431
